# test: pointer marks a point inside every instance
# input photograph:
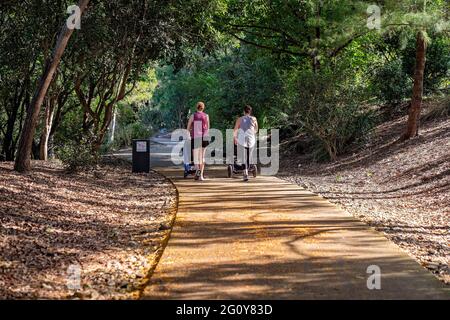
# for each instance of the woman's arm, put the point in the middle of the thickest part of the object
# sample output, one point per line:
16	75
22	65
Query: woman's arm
256	126
189	126
208	123
236	129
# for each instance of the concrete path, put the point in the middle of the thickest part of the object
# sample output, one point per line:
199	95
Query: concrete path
269	239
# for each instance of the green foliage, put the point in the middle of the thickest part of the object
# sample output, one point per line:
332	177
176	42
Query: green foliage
437	67
394	70
328	107
247	77
125	135
71	126
151	117
136	119
117	42
311	30
303	65
226	82
179	93
391	83
78	155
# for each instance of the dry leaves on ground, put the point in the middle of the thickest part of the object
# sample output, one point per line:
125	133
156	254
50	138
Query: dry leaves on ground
402	189
106	226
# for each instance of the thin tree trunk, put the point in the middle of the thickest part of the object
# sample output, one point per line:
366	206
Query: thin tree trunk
25	105
35	150
9	144
48	120
8	139
23	160
50	152
412	128
113	127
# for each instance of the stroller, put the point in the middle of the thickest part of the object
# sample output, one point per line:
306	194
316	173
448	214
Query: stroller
188	162
238	169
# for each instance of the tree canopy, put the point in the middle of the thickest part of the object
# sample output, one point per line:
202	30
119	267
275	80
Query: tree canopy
308	67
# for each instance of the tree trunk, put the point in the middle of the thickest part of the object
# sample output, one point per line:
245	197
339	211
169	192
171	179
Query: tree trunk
101	132
113	127
47	125
412	128
50	149
23	160
8	145
35	150
22	115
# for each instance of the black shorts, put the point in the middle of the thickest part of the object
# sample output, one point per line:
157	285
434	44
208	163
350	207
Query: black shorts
199	142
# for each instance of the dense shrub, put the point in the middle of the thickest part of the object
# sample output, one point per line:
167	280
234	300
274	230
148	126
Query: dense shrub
126	134
151	118
226	83
329	110
393	80
391	83
440	108
437	68
78	156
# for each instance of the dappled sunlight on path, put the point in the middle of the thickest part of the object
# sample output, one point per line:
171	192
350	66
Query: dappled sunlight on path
269	239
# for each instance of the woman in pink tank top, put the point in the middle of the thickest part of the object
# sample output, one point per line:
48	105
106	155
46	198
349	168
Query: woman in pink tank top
198	127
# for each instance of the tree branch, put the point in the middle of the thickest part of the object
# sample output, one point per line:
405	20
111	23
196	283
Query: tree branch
278	50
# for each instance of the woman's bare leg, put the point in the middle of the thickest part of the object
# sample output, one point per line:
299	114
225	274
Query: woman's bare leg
197	163
195	158
202	155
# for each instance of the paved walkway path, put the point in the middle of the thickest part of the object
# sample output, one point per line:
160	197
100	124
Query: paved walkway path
269	239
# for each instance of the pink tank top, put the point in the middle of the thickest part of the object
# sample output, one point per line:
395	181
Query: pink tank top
200	125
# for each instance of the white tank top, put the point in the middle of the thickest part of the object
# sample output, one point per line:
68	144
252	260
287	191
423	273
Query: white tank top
247	132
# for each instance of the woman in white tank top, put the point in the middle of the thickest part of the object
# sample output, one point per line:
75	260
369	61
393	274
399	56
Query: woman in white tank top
245	132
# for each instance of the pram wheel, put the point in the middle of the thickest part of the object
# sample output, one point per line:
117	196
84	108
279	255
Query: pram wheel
189	170
230	171
255	171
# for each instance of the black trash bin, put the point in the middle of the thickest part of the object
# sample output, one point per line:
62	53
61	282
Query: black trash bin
141	156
